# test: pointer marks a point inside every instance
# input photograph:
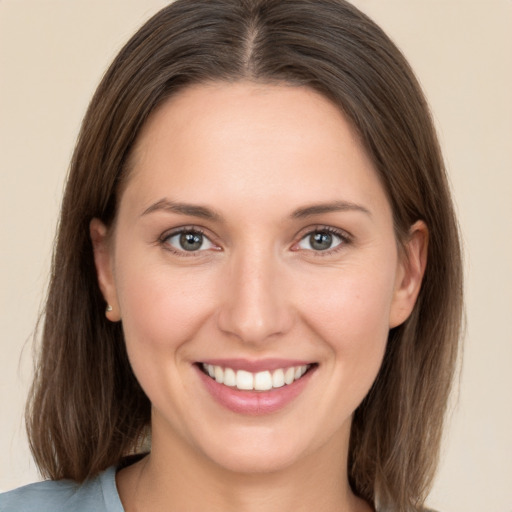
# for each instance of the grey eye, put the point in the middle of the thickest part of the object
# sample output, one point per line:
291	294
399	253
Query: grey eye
320	241
189	241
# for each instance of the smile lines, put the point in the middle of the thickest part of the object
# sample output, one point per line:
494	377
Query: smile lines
259	381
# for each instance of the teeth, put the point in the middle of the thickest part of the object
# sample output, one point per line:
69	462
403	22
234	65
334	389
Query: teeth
219	374
229	377
289	375
260	381
244	380
263	381
278	379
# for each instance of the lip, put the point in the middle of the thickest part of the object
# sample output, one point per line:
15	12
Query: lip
254	403
255	366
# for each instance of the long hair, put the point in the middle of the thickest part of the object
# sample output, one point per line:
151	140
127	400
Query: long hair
86	410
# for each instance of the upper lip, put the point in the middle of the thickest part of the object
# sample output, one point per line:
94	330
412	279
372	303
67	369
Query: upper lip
258	365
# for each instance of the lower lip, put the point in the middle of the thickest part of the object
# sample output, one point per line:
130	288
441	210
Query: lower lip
254	402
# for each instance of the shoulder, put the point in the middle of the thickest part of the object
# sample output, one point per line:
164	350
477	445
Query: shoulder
40	496
98	494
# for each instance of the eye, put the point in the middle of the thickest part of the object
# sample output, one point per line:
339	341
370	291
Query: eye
189	240
321	240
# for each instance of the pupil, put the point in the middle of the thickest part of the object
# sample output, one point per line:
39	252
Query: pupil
191	241
321	241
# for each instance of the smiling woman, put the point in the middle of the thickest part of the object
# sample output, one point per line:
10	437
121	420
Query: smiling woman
256	287
276	280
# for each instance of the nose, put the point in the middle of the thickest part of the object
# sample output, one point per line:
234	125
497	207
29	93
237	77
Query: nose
257	306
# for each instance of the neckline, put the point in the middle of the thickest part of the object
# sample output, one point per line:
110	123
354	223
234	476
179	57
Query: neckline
109	489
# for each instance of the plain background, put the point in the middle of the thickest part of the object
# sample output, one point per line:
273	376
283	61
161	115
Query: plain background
52	55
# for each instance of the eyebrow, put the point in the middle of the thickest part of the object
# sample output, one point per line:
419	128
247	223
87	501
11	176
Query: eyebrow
335	206
183	208
206	213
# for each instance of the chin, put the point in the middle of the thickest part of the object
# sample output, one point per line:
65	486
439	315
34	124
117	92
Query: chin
262	450
255	461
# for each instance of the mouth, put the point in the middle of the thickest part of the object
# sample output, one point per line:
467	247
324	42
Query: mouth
253	387
263	380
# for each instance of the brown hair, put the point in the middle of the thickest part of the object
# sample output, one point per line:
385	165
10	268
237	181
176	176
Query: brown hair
86	410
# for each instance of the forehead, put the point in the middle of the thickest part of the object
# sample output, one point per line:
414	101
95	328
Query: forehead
252	140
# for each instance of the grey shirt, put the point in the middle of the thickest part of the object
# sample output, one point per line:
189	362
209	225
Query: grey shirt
98	494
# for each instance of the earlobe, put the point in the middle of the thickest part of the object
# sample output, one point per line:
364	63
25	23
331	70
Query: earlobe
410	274
103	260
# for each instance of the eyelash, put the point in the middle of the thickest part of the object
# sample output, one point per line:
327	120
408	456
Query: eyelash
345	238
164	241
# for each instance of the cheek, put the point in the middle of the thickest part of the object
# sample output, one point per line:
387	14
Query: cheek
162	307
162	310
350	313
352	307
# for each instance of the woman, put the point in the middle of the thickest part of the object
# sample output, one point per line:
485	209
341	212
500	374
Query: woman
257	274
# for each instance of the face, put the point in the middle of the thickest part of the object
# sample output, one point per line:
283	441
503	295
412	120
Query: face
254	266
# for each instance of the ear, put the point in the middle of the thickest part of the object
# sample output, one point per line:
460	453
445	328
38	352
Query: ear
103	260
411	269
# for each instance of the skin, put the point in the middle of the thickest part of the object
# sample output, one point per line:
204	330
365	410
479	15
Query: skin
253	154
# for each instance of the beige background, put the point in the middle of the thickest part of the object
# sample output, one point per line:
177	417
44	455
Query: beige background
52	54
